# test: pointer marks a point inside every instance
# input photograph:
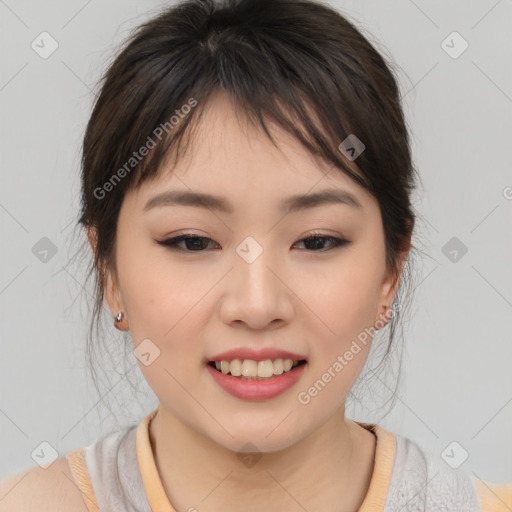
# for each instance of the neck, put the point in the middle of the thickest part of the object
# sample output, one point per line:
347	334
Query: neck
330	469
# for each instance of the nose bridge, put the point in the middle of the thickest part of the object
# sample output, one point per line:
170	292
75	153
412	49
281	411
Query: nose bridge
256	295
251	268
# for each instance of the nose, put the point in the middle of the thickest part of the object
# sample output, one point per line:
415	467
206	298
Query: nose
257	294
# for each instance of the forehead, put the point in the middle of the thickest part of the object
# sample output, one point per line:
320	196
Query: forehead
229	156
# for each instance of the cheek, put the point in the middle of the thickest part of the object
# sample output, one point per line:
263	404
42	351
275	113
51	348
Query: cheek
342	298
342	306
167	305
170	304
160	293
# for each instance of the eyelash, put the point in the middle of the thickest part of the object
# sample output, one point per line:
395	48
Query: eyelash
171	243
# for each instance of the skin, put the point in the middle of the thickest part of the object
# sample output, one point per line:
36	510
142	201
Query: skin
195	305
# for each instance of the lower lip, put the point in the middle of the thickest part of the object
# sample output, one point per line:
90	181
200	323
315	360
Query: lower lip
257	389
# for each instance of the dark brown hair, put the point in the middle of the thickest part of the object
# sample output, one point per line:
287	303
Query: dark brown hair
299	64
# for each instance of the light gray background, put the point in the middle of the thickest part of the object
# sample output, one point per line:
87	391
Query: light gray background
457	378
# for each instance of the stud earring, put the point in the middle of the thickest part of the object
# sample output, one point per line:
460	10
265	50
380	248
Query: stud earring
119	316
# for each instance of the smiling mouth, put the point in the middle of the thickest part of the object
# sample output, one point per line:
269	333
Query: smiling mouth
239	375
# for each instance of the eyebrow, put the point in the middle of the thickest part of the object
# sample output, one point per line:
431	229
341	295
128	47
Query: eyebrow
290	204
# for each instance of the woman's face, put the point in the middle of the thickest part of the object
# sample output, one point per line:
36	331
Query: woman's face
252	282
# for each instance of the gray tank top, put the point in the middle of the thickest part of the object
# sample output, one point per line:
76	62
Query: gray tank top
114	472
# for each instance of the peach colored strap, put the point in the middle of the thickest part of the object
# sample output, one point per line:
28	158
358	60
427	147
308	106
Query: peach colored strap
385	451
157	498
76	461
494	497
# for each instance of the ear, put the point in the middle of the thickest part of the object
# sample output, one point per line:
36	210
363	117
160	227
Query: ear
92	236
388	290
111	294
114	304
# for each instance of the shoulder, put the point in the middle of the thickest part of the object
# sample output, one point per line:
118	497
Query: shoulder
494	497
423	478
459	486
51	489
447	484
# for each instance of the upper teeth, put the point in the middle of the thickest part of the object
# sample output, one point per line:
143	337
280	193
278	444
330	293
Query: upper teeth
251	368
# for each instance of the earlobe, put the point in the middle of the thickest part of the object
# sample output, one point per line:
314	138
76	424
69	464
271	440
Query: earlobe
383	318
118	319
115	305
388	292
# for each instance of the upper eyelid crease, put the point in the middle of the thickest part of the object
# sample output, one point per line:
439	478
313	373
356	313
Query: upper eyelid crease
289	205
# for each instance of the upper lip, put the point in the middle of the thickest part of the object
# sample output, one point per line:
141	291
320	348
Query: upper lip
256	355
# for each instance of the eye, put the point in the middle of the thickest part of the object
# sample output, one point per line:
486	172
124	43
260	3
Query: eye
192	243
317	240
196	242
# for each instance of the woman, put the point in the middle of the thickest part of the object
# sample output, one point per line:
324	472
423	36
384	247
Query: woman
246	185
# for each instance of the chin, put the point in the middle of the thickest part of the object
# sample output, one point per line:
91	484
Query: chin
254	438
